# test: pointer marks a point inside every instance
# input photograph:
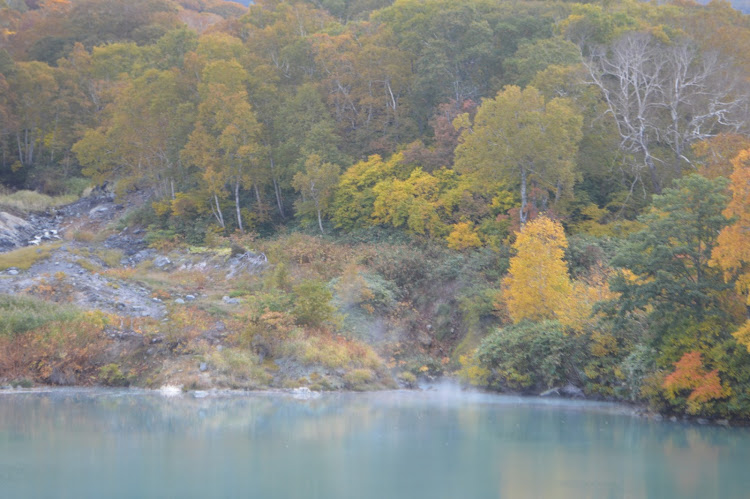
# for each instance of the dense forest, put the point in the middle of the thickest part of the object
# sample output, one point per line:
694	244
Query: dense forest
532	193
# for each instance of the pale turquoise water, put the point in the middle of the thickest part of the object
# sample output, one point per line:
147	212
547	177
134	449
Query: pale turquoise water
97	444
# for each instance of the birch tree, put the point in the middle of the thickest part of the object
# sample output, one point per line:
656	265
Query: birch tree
663	96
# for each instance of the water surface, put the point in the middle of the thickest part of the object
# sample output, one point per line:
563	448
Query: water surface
435	444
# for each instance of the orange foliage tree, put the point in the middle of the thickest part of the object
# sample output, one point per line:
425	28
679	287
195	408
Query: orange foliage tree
689	374
732	252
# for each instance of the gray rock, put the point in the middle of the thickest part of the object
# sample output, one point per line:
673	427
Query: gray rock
99	211
702	421
722	422
572	391
231	301
14	231
12	272
161	262
203	367
179	301
190	297
552	392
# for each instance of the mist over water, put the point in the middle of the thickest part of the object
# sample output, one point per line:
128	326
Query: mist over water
436	443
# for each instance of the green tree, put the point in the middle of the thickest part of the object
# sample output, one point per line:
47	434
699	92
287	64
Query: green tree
522	140
669	259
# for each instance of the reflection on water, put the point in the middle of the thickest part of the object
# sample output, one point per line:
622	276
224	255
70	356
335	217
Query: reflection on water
451	444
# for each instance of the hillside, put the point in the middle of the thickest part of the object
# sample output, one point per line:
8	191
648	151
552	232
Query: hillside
532	196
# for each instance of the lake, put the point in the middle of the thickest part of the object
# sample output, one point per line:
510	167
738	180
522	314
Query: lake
433	444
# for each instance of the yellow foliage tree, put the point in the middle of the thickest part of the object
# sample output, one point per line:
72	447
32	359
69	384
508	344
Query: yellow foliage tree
538	286
577	312
463	236
732	253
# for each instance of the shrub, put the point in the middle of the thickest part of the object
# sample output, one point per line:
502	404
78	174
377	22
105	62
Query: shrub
472	372
409	379
359	379
19	314
111	375
528	356
312	303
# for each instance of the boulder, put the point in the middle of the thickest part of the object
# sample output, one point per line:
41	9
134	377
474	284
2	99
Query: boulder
572	391
14	231
161	262
552	392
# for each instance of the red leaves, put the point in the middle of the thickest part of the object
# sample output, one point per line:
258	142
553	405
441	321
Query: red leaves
689	374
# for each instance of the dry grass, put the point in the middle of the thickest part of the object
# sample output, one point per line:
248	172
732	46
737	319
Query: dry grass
110	257
28	201
336	352
83	236
314	256
23	258
122	273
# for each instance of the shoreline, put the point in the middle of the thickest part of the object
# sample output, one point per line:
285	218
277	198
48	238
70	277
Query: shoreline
443	392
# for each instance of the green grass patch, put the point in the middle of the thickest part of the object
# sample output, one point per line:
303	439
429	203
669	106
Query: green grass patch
19	314
23	258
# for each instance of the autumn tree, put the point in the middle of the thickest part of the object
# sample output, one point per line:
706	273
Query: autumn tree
522	140
140	142
315	185
355	197
224	142
691	376
538	286
732	253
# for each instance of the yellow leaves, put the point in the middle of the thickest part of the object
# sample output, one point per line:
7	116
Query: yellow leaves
603	345
463	237
413	203
462	121
538	287
578	311
472	371
743	335
732	253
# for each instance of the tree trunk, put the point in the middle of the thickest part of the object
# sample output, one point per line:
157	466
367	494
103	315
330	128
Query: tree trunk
257	197
237	205
654	176
522	214
217	212
320	220
277	190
